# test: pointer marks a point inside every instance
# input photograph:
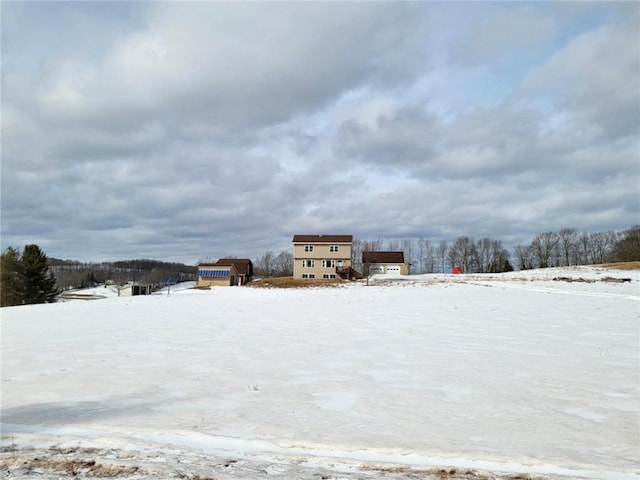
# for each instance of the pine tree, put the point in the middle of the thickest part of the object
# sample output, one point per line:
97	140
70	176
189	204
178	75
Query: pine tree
11	278
39	282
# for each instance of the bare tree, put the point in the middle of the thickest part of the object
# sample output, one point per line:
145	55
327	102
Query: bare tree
584	249
429	259
598	246
524	257
393	246
357	247
498	258
443	249
627	247
372	245
407	248
463	253
568	241
422	246
264	266
484	254
283	264
544	245
611	240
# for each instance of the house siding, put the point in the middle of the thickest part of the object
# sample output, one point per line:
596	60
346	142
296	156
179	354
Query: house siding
322	250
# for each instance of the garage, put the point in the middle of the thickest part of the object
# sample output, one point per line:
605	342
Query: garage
390	263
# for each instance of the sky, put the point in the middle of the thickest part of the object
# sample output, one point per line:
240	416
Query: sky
182	131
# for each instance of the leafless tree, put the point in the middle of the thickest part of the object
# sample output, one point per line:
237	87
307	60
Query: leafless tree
463	253
524	257
601	243
443	250
429	259
421	248
544	245
584	249
627	247
498	258
372	245
611	241
283	264
264	266
568	243
484	254
393	246
407	249
357	247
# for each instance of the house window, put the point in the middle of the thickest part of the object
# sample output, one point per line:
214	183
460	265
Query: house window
308	248
308	275
328	263
333	248
308	263
328	275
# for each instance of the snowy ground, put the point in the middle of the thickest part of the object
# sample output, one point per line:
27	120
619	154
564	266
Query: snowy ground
479	376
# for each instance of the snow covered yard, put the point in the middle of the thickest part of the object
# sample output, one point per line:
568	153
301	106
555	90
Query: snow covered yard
513	374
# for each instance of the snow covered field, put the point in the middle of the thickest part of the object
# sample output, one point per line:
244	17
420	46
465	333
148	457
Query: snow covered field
434	376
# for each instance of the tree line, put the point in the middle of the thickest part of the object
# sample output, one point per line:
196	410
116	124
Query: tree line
25	278
571	247
485	255
73	274
30	277
426	256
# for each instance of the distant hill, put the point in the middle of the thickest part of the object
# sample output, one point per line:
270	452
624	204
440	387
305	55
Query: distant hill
75	274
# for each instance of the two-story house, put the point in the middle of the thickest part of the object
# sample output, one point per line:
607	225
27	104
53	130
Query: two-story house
323	257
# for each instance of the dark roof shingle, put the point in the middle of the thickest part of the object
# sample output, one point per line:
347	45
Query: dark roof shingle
243	265
382	257
322	238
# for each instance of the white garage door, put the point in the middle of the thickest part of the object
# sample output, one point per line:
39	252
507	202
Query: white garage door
375	269
393	269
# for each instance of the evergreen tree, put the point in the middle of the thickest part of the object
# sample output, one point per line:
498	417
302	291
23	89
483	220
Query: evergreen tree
11	278
39	282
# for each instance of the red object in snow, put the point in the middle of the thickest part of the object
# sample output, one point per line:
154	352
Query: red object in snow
456	270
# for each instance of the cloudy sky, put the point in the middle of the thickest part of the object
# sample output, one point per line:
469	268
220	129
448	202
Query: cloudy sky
182	131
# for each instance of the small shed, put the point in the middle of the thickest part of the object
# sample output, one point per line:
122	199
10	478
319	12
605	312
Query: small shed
388	263
243	266
213	275
134	289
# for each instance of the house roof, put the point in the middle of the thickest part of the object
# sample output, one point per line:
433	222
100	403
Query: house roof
242	265
233	261
382	257
322	238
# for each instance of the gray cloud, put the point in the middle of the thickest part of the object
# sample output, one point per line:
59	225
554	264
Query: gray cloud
504	35
184	131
